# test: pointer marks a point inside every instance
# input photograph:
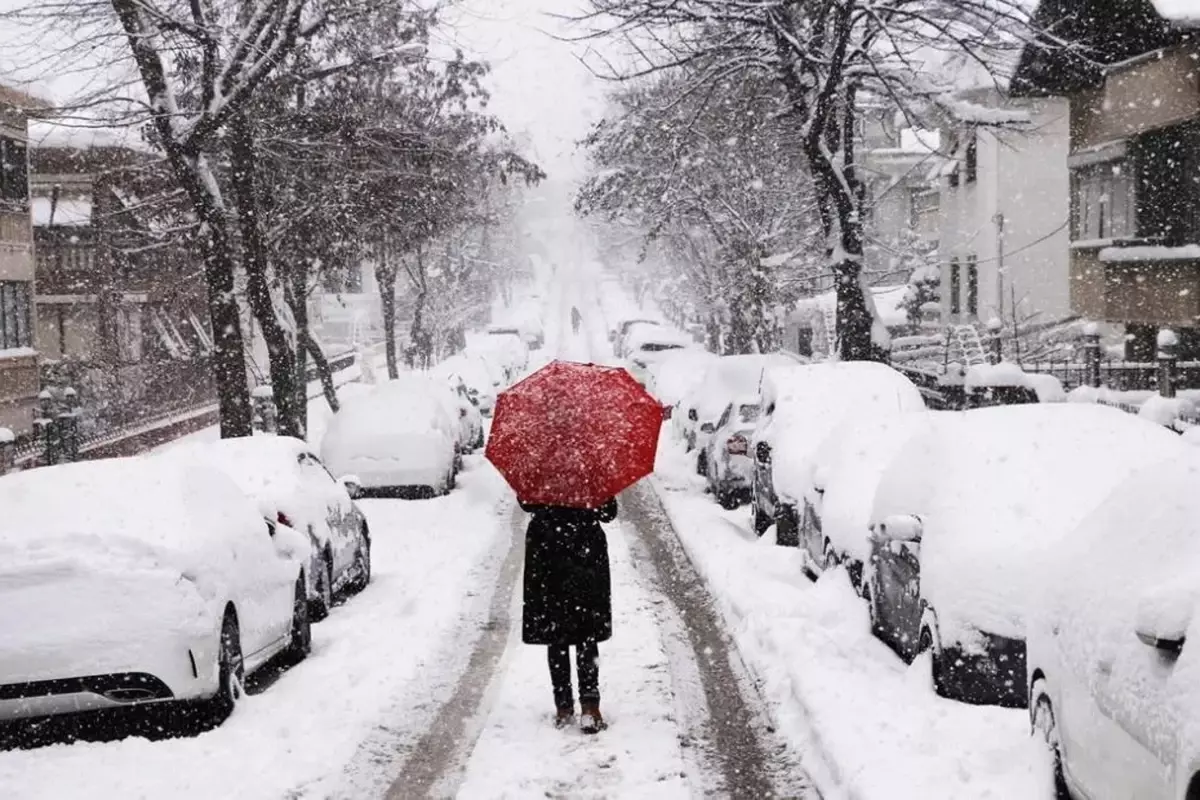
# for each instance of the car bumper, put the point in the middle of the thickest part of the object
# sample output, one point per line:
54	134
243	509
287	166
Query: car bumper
993	677
135	642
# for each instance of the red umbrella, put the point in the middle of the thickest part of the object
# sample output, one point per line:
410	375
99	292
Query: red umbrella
574	434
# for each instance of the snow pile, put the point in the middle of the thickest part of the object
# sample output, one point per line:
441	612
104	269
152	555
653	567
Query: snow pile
1003	374
1122	255
996	488
1179	11
1049	388
1166	410
810	400
851	462
673	378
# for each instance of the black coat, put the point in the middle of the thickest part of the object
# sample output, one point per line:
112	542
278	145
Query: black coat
568	591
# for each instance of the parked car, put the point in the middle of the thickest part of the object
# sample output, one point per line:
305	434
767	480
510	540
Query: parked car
398	439
1112	667
801	405
529	333
466	404
137	581
674	376
618	334
726	457
847	468
504	346
648	345
482	378
967	511
726	378
293	487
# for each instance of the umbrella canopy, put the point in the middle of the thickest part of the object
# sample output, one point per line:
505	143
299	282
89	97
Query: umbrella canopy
574	434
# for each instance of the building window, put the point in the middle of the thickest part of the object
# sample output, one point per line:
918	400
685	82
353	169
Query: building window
972	286
14	173
1104	202
972	157
129	334
955	288
15	317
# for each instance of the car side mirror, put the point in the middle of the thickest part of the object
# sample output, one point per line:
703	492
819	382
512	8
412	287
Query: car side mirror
692	415
1163	617
762	452
352	485
707	427
899	528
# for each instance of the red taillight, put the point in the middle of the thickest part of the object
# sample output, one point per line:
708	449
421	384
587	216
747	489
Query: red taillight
737	446
282	519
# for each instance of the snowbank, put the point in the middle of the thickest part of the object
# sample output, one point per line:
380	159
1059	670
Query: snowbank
1003	374
996	488
872	727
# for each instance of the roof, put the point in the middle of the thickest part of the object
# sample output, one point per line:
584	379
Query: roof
24	101
1097	33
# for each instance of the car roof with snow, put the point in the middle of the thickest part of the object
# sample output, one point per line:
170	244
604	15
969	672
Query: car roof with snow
169	508
731	376
657	335
411	402
996	488
266	466
674	377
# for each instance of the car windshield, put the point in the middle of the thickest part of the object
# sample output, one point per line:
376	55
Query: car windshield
658	347
749	412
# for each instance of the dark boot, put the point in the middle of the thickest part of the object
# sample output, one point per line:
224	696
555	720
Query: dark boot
564	717
590	720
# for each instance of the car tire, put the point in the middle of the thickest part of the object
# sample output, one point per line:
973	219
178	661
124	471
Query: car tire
362	565
728	500
1042	722
787	527
319	606
762	521
231	670
925	642
301	640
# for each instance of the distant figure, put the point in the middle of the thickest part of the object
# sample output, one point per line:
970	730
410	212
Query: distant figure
568	601
576	319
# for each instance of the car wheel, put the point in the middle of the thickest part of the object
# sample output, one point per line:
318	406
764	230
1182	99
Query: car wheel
787	531
925	643
729	500
319	606
362	565
231	670
761	520
301	642
1043	723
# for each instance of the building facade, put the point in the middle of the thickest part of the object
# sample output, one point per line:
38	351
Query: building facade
19	383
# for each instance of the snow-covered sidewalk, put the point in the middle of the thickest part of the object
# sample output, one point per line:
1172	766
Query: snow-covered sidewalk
873	727
339	724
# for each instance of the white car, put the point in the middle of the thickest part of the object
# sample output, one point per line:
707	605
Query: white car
466	405
398	439
801	405
725	379
619	334
293	487
963	518
1110	662
726	457
671	379
646	346
507	343
482	379
137	581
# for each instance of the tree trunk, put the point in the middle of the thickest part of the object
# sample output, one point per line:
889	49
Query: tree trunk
258	289
324	372
385	276
296	296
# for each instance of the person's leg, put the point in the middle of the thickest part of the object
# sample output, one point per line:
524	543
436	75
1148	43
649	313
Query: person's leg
559	657
587	664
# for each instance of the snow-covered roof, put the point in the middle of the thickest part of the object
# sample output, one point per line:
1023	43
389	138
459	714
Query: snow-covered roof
996	488
68	212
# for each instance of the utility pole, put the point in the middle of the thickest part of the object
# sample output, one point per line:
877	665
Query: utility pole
998	218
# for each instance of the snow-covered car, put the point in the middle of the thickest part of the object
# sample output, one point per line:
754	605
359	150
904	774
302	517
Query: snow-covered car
965	514
138	581
466	405
508	343
1112	662
482	378
648	345
726	378
673	377
835	524
726	456
801	405
293	487
618	334
398	439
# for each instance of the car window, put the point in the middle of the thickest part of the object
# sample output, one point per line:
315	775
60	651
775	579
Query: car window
725	416
658	347
749	412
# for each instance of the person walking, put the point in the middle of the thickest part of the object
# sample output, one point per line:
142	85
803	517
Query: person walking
576	319
568	602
